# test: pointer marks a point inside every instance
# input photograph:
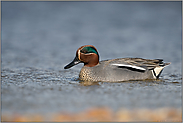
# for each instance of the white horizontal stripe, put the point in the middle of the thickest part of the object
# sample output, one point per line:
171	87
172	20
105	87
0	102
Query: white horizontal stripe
125	65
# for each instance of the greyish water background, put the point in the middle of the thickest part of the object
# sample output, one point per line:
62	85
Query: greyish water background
40	38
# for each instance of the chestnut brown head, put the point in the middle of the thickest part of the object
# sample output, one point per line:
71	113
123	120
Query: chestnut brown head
86	54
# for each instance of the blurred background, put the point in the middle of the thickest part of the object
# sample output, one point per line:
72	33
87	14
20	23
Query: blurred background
40	38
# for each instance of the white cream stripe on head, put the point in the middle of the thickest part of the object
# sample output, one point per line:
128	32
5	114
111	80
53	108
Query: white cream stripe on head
79	54
131	66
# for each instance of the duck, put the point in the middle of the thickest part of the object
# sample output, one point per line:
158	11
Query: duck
115	70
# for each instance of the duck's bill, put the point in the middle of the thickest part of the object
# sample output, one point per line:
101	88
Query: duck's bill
74	62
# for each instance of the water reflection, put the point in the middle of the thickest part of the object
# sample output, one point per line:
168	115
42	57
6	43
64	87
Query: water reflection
88	83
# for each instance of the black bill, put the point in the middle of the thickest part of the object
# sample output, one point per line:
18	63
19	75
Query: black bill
74	62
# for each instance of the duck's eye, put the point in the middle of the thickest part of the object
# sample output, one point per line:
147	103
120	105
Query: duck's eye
87	50
84	51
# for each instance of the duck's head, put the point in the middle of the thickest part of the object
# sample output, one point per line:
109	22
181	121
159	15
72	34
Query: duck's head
86	54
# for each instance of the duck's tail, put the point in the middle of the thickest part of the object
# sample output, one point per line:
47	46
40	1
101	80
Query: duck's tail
158	70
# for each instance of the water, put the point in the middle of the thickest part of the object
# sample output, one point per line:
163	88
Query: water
40	38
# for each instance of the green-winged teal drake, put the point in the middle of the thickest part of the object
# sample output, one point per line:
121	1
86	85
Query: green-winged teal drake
121	69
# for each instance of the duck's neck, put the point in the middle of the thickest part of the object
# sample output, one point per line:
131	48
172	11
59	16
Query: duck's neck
90	65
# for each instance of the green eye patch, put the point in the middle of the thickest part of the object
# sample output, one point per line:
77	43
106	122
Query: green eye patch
87	50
